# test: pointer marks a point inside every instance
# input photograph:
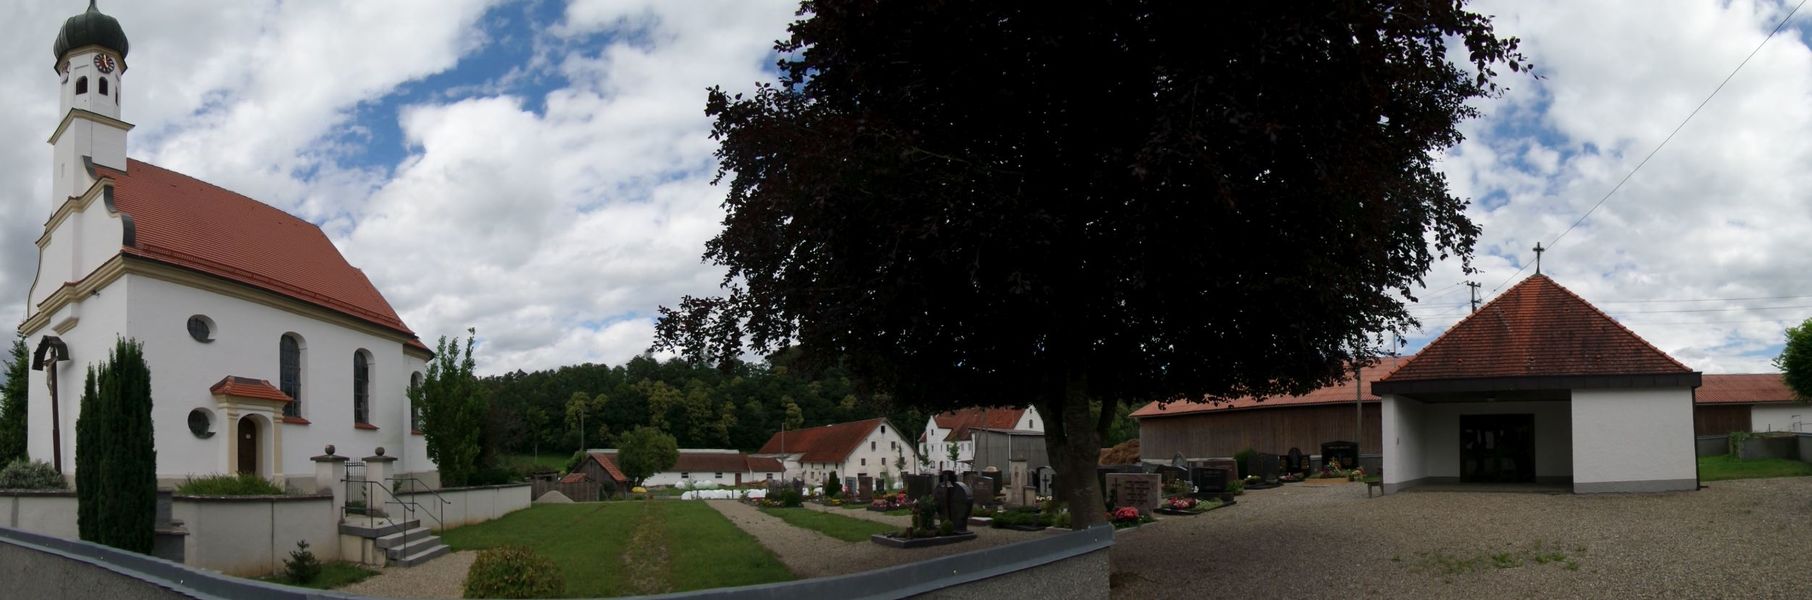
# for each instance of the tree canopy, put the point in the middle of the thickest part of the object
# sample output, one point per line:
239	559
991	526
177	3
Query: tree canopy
453	410
1795	360
644	452
983	203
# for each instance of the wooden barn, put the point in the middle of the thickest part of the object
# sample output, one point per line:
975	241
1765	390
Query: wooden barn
1200	430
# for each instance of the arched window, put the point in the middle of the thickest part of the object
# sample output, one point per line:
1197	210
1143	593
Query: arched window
289	372
415	410
103	82
81	85
361	388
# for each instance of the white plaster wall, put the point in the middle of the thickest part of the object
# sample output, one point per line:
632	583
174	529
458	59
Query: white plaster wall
245	343
1633	435
100	319
45	514
1401	427
882	447
1781	417
80	244
1441	435
251	537
465	506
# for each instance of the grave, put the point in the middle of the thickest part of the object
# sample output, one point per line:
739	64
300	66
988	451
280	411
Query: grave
1263	466
849	487
1046	478
955	502
984	492
919	486
1138	490
1209	482
1228	465
1346	452
865	489
1296	462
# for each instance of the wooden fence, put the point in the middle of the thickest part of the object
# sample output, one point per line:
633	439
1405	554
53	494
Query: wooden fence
584	491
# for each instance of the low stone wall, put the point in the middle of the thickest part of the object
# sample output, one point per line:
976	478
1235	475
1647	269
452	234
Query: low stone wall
49	513
1771	446
468	505
1711	445
1805	446
250	536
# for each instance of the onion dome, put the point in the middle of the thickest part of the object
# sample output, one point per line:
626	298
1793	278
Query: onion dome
91	28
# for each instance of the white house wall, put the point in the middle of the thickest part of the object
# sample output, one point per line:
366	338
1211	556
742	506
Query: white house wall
246	338
1781	417
1400	424
1637	440
1441	432
877	453
99	319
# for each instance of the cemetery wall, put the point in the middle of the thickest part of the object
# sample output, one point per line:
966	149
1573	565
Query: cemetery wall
1712	445
1638	440
49	513
1266	429
468	505
249	536
1554	436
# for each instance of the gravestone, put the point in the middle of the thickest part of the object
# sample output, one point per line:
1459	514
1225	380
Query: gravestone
1346	452
919	486
849	487
1138	490
799	487
1046	477
1169	473
775	488
983	492
865	488
954	502
1264	466
1227	465
1209	482
968	478
1295	462
1018	481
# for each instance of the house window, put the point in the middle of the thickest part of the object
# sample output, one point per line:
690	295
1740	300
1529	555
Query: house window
871	446
103	81
770	476
361	387
415	410
883	427
864	462
289	372
81	85
720	476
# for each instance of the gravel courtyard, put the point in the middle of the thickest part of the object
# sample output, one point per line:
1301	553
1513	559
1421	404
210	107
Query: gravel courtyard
1747	539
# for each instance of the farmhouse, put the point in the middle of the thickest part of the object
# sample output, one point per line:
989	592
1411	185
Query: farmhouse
265	344
954	431
872	447
1540	386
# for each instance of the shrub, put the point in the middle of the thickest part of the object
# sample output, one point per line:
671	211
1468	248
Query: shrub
301	567
833	487
791	499
25	474
1243	457
116	457
513	572
243	484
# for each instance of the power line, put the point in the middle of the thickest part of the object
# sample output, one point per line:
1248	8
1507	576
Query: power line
1705	299
1697	310
1670	136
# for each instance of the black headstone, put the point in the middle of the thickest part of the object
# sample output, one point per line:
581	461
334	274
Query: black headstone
954	503
1265	467
1346	452
1209	483
1046	480
1295	462
919	486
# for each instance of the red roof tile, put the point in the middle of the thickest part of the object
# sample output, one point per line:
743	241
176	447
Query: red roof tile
1747	388
758	464
246	387
189	223
609	464
1537	328
961	422
1334	394
574	477
823	444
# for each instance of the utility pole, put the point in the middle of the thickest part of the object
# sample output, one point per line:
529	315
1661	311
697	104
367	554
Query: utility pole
1475	294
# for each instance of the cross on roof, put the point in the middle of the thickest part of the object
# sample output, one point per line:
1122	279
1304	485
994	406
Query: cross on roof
1538	251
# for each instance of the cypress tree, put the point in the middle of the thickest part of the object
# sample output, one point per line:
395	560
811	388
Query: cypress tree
13	398
116	457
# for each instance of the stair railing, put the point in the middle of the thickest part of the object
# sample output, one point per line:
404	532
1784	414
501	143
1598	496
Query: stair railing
409	507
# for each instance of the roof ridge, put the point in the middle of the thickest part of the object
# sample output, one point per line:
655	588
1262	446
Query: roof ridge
130	161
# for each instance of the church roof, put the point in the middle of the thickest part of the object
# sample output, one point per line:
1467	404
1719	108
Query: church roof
185	222
246	387
1536	329
91	28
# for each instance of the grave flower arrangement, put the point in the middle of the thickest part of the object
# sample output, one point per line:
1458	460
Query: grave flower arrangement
1127	516
1180	503
1356	474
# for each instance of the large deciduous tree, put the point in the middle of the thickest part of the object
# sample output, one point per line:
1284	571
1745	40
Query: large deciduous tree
645	451
977	203
1795	360
453	411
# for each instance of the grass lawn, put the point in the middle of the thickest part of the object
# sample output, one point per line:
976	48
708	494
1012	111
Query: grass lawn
333	575
1725	466
838	526
587	541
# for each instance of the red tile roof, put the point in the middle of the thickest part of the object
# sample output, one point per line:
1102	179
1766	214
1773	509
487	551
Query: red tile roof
822	444
246	387
1334	394
189	223
1536	328
609	464
1746	388
758	464
574	477
961	422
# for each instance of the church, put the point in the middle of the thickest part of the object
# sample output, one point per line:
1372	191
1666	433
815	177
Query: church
265	345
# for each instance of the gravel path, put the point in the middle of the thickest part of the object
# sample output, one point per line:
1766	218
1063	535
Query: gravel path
443	577
811	554
1747	539
900	521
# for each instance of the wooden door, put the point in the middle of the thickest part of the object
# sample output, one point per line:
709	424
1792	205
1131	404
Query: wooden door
248	445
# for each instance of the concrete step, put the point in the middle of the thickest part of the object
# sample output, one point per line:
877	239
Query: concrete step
397	539
415	545
375	528
422	557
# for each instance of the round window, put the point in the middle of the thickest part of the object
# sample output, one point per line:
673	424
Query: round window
201	328
201	423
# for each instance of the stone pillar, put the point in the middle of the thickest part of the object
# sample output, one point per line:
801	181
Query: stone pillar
377	469
330	472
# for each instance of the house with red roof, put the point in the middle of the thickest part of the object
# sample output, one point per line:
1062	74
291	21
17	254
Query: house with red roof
1748	402
870	447
1539	386
265	344
706	468
948	443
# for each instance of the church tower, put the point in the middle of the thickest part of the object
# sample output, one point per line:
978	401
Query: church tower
91	58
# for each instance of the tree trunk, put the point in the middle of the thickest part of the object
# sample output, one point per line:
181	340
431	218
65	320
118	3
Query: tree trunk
1074	448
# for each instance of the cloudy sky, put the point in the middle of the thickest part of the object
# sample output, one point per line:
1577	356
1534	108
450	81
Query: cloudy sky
540	169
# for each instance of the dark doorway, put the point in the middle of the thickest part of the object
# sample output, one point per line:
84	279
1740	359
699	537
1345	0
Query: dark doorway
248	445
1497	448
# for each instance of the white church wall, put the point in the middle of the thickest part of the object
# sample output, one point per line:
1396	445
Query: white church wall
1781	417
245	343
1553	435
1633	440
98	319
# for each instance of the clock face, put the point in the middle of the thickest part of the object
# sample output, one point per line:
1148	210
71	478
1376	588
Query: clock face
103	63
